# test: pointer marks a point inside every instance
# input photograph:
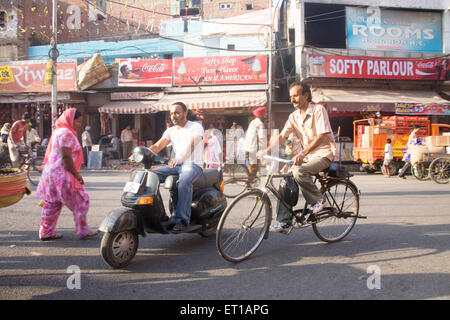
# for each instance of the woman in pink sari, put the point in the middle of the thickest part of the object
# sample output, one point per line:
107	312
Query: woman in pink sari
61	183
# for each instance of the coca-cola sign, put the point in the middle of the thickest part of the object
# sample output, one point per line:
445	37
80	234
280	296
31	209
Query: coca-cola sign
145	73
331	66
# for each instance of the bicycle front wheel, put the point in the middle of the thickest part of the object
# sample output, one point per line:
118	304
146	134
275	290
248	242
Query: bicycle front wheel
336	221
420	171
34	171
243	226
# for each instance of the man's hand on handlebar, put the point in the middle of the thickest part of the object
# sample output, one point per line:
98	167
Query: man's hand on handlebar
172	163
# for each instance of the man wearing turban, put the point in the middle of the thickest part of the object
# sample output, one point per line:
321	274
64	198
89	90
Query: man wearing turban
254	138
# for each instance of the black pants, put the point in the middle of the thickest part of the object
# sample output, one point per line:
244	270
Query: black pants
85	154
403	170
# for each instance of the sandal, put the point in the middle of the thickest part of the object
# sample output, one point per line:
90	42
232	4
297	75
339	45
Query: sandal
91	234
179	227
52	237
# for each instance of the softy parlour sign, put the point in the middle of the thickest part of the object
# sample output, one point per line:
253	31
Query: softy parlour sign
378	68
220	70
29	76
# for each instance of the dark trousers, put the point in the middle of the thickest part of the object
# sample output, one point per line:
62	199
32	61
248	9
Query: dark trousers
86	154
403	170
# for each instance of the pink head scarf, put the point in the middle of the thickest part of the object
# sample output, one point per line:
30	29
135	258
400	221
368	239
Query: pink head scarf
260	112
65	121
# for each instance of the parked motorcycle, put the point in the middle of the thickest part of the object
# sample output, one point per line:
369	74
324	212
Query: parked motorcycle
144	210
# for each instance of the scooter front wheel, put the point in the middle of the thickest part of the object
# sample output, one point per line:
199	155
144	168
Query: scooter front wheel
119	248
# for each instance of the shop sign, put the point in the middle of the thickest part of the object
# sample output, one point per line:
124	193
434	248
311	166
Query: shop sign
220	70
135	95
378	68
419	108
145	73
29	76
373	28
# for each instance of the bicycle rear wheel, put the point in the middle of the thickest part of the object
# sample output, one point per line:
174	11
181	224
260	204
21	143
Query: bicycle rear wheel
243	226
336	221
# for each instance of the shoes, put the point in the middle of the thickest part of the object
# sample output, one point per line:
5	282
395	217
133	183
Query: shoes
315	209
281	227
179	227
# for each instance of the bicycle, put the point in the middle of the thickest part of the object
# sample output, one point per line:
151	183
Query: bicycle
245	223
30	163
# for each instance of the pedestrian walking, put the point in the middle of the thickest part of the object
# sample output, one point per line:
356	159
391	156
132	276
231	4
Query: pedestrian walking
254	139
388	156
126	136
86	142
61	182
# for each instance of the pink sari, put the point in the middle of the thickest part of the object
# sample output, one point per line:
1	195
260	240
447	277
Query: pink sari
57	186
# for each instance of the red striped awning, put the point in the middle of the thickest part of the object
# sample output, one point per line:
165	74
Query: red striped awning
128	107
213	100
193	101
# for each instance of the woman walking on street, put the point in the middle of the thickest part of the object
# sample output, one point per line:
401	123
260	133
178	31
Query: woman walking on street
61	183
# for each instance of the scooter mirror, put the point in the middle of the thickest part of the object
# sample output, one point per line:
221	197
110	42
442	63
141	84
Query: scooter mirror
142	154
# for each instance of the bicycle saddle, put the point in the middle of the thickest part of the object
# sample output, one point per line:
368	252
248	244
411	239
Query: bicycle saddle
208	178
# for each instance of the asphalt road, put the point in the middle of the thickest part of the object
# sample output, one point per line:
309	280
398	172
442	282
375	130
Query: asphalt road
400	252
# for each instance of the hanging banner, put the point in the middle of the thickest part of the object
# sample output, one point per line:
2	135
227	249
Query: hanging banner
220	70
419	108
378	68
29	76
145	73
373	28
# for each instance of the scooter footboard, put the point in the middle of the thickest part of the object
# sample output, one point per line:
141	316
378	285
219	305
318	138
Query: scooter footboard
119	220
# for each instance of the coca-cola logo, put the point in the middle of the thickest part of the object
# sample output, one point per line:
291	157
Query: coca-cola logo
426	65
157	67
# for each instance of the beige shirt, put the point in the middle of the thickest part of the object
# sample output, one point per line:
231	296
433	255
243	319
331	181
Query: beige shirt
307	128
126	135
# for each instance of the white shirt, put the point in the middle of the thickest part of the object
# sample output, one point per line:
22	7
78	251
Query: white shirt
254	133
388	152
86	140
181	138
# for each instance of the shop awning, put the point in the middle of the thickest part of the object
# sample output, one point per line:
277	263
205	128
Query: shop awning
128	107
356	100
214	100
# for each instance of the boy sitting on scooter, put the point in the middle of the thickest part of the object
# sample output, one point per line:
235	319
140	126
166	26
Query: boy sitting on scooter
186	138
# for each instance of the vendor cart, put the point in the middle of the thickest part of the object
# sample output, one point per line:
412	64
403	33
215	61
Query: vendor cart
431	160
13	185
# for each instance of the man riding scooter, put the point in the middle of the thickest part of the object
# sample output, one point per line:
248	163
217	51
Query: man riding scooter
186	138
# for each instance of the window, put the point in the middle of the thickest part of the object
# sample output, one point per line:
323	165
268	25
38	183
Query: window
325	25
249	6
196	3
231	47
225	6
2	19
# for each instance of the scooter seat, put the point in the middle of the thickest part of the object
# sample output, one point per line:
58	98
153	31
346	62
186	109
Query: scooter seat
207	179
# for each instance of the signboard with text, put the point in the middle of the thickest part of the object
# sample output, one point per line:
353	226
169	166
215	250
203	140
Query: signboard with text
29	76
419	108
145	73
333	66
373	28
220	70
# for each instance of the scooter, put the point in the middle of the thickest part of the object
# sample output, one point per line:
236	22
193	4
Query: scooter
144	211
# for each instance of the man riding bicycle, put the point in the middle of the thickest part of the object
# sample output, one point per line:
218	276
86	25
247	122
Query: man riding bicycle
311	124
17	139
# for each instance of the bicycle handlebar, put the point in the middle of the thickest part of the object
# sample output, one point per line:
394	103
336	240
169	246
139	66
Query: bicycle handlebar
271	158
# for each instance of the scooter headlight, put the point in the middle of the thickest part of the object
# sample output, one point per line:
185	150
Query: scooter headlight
138	155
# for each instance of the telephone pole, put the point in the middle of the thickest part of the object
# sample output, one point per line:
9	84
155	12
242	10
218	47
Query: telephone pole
54	56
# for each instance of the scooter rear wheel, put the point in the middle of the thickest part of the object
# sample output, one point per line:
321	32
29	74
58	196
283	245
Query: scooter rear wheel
119	248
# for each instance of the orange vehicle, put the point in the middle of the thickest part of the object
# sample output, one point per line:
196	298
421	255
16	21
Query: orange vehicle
369	138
